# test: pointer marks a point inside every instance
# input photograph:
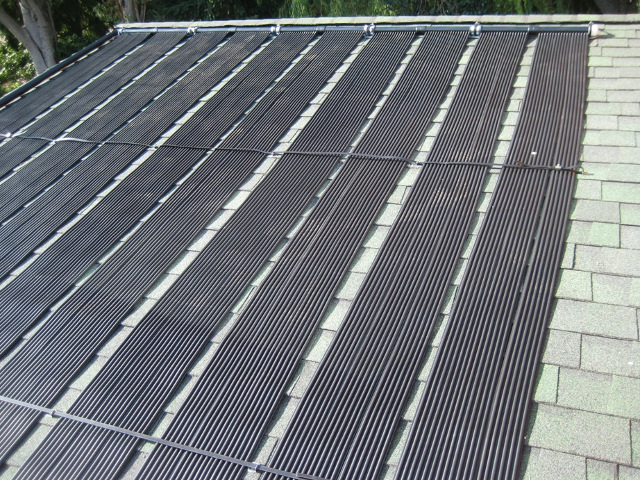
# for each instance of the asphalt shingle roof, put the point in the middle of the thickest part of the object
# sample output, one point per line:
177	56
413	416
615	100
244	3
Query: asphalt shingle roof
585	420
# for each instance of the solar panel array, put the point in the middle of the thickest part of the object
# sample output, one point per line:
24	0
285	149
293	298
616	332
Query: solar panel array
112	168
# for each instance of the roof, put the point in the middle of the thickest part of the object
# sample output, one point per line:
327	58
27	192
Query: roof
586	414
584	421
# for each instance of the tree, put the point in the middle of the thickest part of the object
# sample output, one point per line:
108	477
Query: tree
133	10
31	23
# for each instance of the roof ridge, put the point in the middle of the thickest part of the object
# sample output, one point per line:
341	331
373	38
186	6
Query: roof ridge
555	18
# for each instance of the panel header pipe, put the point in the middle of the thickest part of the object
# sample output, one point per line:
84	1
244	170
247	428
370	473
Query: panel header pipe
369	29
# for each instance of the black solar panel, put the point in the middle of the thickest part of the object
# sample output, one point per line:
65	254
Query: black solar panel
176	142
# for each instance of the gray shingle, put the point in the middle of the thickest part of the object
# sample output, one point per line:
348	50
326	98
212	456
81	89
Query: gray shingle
629	214
629	237
611	137
595	319
594	233
596	211
611	108
574	284
546	384
543	464
364	260
335	314
350	286
388	215
562	348
628	473
581	433
597	470
599	61
602	122
616	290
619	72
610	154
319	346
598	392
624	95
588	189
608	355
616	261
613	172
631	123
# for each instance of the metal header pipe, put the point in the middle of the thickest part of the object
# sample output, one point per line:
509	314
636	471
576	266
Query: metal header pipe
370	28
12	95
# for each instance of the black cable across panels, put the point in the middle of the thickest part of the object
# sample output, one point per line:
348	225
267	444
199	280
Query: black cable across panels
41	369
236	397
33	177
348	418
161	348
471	420
36	101
66	114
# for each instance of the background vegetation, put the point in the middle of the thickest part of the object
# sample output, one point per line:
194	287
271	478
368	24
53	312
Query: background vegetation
77	23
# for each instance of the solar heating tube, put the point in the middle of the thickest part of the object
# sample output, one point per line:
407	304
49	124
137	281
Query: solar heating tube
471	419
17	149
40	371
348	418
31	104
167	341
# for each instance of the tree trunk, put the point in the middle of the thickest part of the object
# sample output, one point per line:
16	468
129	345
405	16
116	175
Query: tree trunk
133	10
37	32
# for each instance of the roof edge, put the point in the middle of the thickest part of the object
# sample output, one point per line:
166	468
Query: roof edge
529	19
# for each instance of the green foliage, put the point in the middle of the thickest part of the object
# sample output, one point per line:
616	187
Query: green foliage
16	65
189	10
80	22
336	8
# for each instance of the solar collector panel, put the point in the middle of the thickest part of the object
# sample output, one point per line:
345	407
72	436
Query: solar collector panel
38	100
239	392
17	149
485	367
212	284
27	182
347	419
64	343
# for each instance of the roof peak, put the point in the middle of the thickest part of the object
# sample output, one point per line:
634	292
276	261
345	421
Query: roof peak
531	19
